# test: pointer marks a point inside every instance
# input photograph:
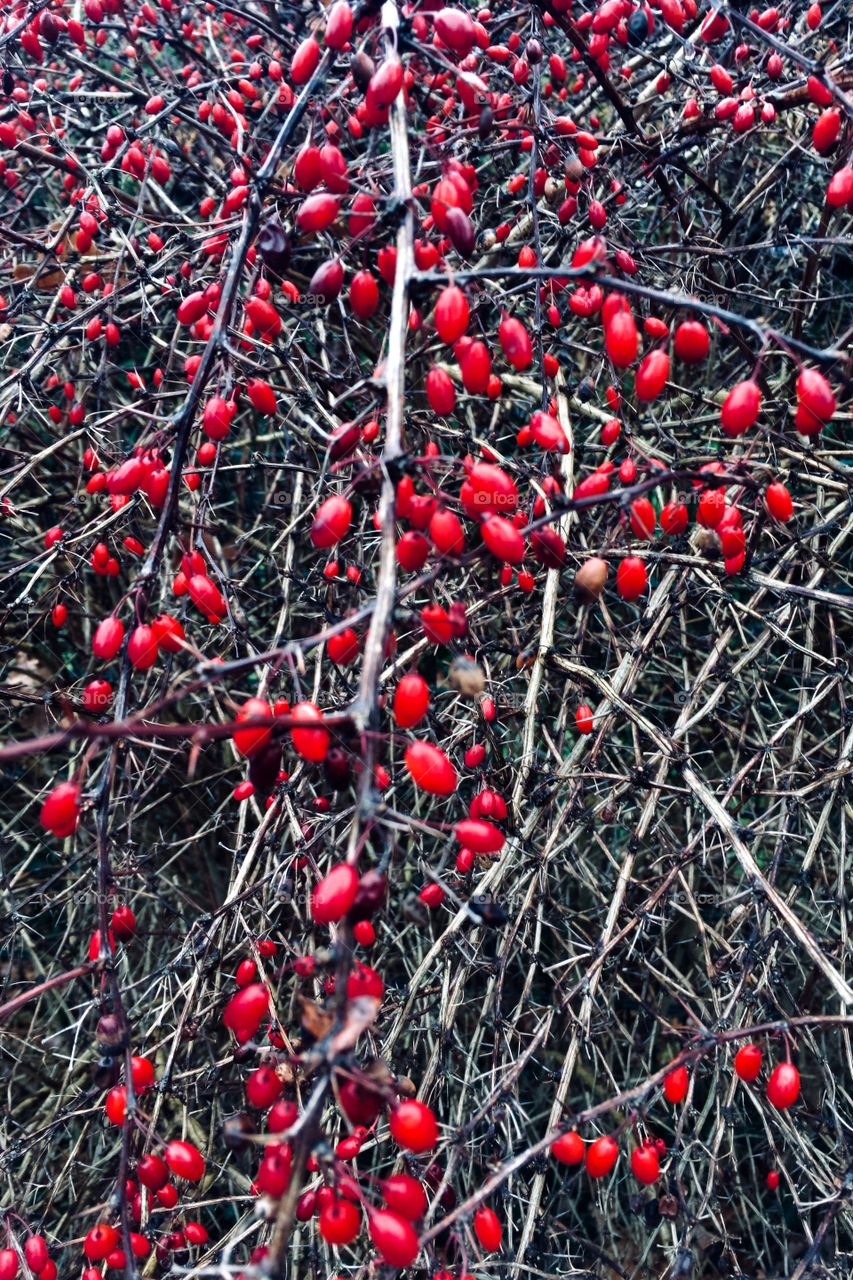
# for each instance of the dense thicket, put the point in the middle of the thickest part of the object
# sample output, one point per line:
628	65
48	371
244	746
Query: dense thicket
425	576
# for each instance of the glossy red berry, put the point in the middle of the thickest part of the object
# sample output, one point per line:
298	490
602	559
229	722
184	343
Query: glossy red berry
339	1222
413	1126
334	895
100	1241
815	394
60	811
331	522
405	1195
712	505
651	376
783	1087
631	578
621	339
691	342
262	1088
430	769
249	742
123	926
748	1062
515	343
246	1010
310	739
601	1157
675	1085
779	502
394	1237
35	1252
740	408
185	1160
674	519
142	648
107	639
411	700
645	1164
568	1148
584	719
451	314
642	519
502	539
487	1229
152	1172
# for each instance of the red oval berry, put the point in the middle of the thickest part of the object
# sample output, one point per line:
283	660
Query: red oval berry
335	894
783	1087
748	1062
430	769
568	1148
413	1126
601	1156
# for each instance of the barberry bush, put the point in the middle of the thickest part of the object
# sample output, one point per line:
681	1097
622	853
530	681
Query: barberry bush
425	526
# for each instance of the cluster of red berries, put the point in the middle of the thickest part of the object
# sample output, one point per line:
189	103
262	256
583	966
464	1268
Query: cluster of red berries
600	1157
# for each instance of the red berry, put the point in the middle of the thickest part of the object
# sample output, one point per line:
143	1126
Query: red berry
411	700
335	894
621	339
364	294
815	394
185	1160
748	1062
650	378
675	1085
674	519
487	1229
249	742
691	342
601	1156
645	1164
61	809
430	769
515	343
100	1241
642	519
404	1195
783	1087
451	314
123	926
142	648
631	578
339	1222
712	504
108	638
413	1126
312	743
740	408
394	1237
331	522
152	1172
262	1088
35	1252
502	539
779	503
568	1148
584	719
246	1010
